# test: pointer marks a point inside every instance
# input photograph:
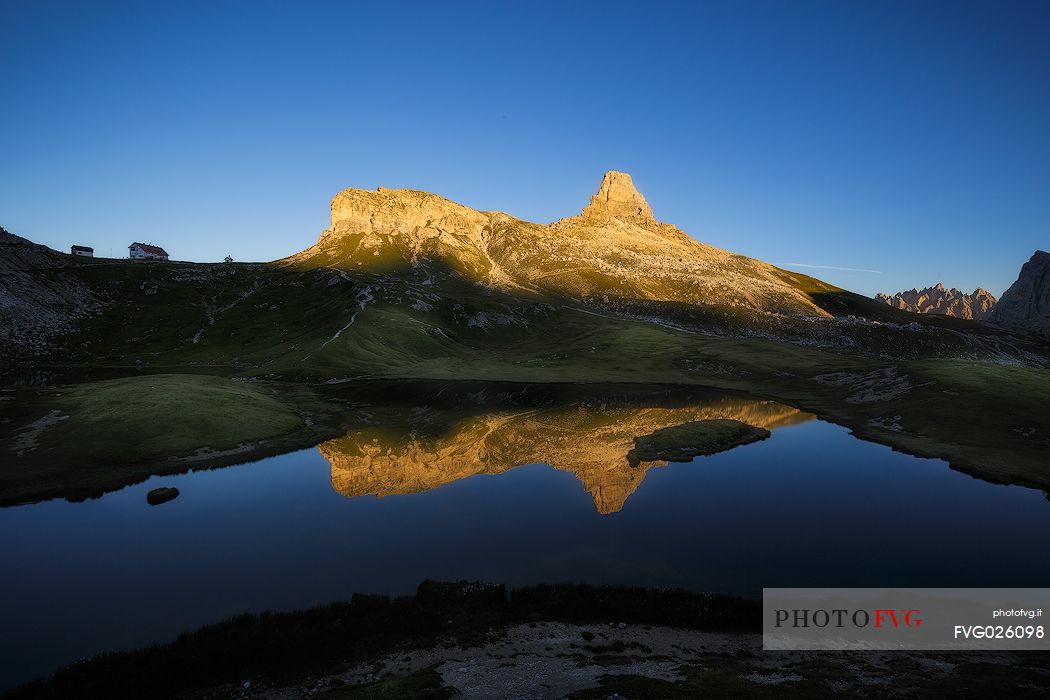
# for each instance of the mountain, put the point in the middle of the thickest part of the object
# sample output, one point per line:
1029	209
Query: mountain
1026	304
613	254
941	301
420	277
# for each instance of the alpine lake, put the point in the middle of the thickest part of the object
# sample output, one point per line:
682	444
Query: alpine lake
597	490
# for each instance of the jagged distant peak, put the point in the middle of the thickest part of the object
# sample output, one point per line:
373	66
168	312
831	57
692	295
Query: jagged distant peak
617	197
939	300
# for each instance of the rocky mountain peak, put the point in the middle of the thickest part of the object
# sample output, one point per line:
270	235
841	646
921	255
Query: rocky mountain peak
1026	303
618	198
615	250
939	300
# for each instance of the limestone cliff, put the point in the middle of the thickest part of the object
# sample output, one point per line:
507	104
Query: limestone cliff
618	198
941	301
614	252
1026	304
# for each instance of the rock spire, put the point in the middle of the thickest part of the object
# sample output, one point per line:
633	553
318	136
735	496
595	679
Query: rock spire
619	198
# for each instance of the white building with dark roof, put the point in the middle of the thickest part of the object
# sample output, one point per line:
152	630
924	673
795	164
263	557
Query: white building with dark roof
146	251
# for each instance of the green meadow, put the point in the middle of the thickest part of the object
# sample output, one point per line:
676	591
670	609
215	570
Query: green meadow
207	365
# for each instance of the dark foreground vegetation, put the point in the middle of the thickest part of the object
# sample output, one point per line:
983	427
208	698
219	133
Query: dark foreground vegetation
307	654
285	647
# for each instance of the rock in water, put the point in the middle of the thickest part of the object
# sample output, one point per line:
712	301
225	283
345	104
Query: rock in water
162	495
681	443
1026	304
941	301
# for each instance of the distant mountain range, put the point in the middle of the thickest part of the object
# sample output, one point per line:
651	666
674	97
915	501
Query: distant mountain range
1025	305
941	301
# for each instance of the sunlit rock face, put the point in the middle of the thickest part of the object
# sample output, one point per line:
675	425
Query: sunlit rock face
941	301
1026	304
592	442
618	198
404	212
614	252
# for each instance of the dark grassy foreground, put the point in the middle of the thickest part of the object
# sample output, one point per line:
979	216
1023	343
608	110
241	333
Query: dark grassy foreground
282	648
820	675
297	654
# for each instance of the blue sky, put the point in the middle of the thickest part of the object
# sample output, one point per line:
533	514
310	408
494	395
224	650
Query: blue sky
911	138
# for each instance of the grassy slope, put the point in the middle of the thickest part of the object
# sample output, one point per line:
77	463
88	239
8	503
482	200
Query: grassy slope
995	418
171	410
199	314
127	429
978	416
989	420
427	322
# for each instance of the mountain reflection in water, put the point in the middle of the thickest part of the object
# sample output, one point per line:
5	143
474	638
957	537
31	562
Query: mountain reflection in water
273	535
589	440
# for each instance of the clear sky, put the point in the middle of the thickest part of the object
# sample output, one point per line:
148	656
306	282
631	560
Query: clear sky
909	138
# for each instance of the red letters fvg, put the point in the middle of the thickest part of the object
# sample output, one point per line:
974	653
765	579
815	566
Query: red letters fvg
908	618
884	618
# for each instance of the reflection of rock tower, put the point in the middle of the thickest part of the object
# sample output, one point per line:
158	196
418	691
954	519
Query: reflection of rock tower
591	442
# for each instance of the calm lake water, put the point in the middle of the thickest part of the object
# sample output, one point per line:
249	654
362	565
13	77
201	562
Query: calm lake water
811	505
